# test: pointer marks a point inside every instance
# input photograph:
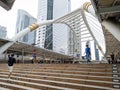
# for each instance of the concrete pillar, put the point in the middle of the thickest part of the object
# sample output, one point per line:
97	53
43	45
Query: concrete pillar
23	56
112	27
5	56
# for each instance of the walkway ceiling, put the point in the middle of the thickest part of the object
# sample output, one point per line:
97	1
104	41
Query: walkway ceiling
107	9
112	44
7	4
3	41
19	47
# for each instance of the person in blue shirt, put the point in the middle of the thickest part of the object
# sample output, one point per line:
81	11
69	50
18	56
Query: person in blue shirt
88	53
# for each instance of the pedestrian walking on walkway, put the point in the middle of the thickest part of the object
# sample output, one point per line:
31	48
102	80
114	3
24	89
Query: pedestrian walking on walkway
88	53
11	61
34	56
112	58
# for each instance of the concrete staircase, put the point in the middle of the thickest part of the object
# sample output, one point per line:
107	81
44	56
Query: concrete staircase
59	77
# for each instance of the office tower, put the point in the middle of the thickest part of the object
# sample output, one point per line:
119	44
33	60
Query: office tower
53	36
3	32
24	19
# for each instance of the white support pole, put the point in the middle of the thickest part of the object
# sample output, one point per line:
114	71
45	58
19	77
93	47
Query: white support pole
22	33
23	56
87	6
5	56
85	20
110	25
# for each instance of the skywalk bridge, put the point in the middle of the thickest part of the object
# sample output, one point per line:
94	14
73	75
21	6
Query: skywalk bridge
81	23
78	24
69	76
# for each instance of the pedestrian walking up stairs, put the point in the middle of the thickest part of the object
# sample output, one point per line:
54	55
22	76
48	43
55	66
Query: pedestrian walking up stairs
61	77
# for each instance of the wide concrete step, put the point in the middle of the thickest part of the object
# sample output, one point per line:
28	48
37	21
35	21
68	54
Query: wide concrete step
60	66
4	88
90	72
66	66
12	86
38	86
55	75
63	72
38	78
60	69
97	66
57	83
69	76
70	72
71	69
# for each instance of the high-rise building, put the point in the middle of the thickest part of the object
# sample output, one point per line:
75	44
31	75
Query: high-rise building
3	32
53	36
24	19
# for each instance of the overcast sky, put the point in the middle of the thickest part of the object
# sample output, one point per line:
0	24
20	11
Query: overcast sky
8	18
